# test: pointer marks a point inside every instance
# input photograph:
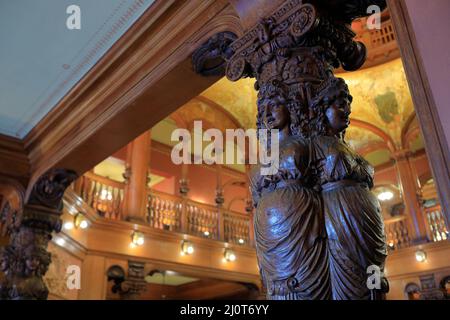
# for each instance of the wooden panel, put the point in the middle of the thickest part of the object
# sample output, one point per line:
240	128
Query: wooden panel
13	159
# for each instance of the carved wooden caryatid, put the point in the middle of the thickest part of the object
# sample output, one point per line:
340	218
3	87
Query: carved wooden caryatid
317	226
25	260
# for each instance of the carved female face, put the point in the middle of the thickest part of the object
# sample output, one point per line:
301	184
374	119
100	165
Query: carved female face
4	264
338	114
276	115
32	263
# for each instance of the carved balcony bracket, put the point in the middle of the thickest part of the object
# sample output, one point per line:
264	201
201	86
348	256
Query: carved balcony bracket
25	260
130	286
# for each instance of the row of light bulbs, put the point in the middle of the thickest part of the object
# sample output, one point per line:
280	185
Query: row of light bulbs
79	221
187	247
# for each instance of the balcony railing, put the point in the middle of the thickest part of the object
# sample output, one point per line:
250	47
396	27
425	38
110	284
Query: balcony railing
436	224
397	234
180	214
102	194
168	212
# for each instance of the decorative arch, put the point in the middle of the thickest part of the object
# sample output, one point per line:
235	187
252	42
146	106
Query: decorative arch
389	142
235	200
410	130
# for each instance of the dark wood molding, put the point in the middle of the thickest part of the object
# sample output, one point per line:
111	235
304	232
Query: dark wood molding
425	106
14	162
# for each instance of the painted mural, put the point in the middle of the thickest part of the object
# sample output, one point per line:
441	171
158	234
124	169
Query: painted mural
381	97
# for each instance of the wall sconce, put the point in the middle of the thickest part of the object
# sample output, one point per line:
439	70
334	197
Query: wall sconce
137	238
385	195
241	241
69	225
60	242
421	256
80	221
187	247
229	255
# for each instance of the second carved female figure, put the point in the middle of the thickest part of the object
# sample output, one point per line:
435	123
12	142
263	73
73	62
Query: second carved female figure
355	229
318	227
289	228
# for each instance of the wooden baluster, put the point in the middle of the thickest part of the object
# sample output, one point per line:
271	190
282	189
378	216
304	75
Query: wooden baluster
220	224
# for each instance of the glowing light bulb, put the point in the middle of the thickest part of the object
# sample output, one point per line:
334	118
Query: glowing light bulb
84	224
421	256
385	195
137	238
68	225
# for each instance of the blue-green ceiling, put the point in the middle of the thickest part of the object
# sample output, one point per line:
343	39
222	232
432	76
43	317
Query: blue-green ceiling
41	59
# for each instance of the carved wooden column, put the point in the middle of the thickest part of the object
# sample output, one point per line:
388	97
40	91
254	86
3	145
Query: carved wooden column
292	52
138	155
184	190
26	259
249	205
410	194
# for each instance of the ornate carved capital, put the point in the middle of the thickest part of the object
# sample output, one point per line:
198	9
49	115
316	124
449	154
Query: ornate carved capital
49	189
184	187
219	198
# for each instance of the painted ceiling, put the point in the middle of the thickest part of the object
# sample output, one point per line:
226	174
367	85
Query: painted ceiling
381	98
41	59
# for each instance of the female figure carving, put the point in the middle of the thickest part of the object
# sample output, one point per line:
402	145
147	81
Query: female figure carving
289	229
353	220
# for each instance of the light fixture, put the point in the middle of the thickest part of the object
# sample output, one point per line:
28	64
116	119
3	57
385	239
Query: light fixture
105	195
229	255
421	256
68	225
137	238
391	244
206	233
187	247
241	241
80	221
60	242
385	195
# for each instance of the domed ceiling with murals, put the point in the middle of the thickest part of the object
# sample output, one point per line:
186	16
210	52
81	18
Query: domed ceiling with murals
381	100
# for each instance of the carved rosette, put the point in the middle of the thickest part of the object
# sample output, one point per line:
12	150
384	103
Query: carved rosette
210	58
25	260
